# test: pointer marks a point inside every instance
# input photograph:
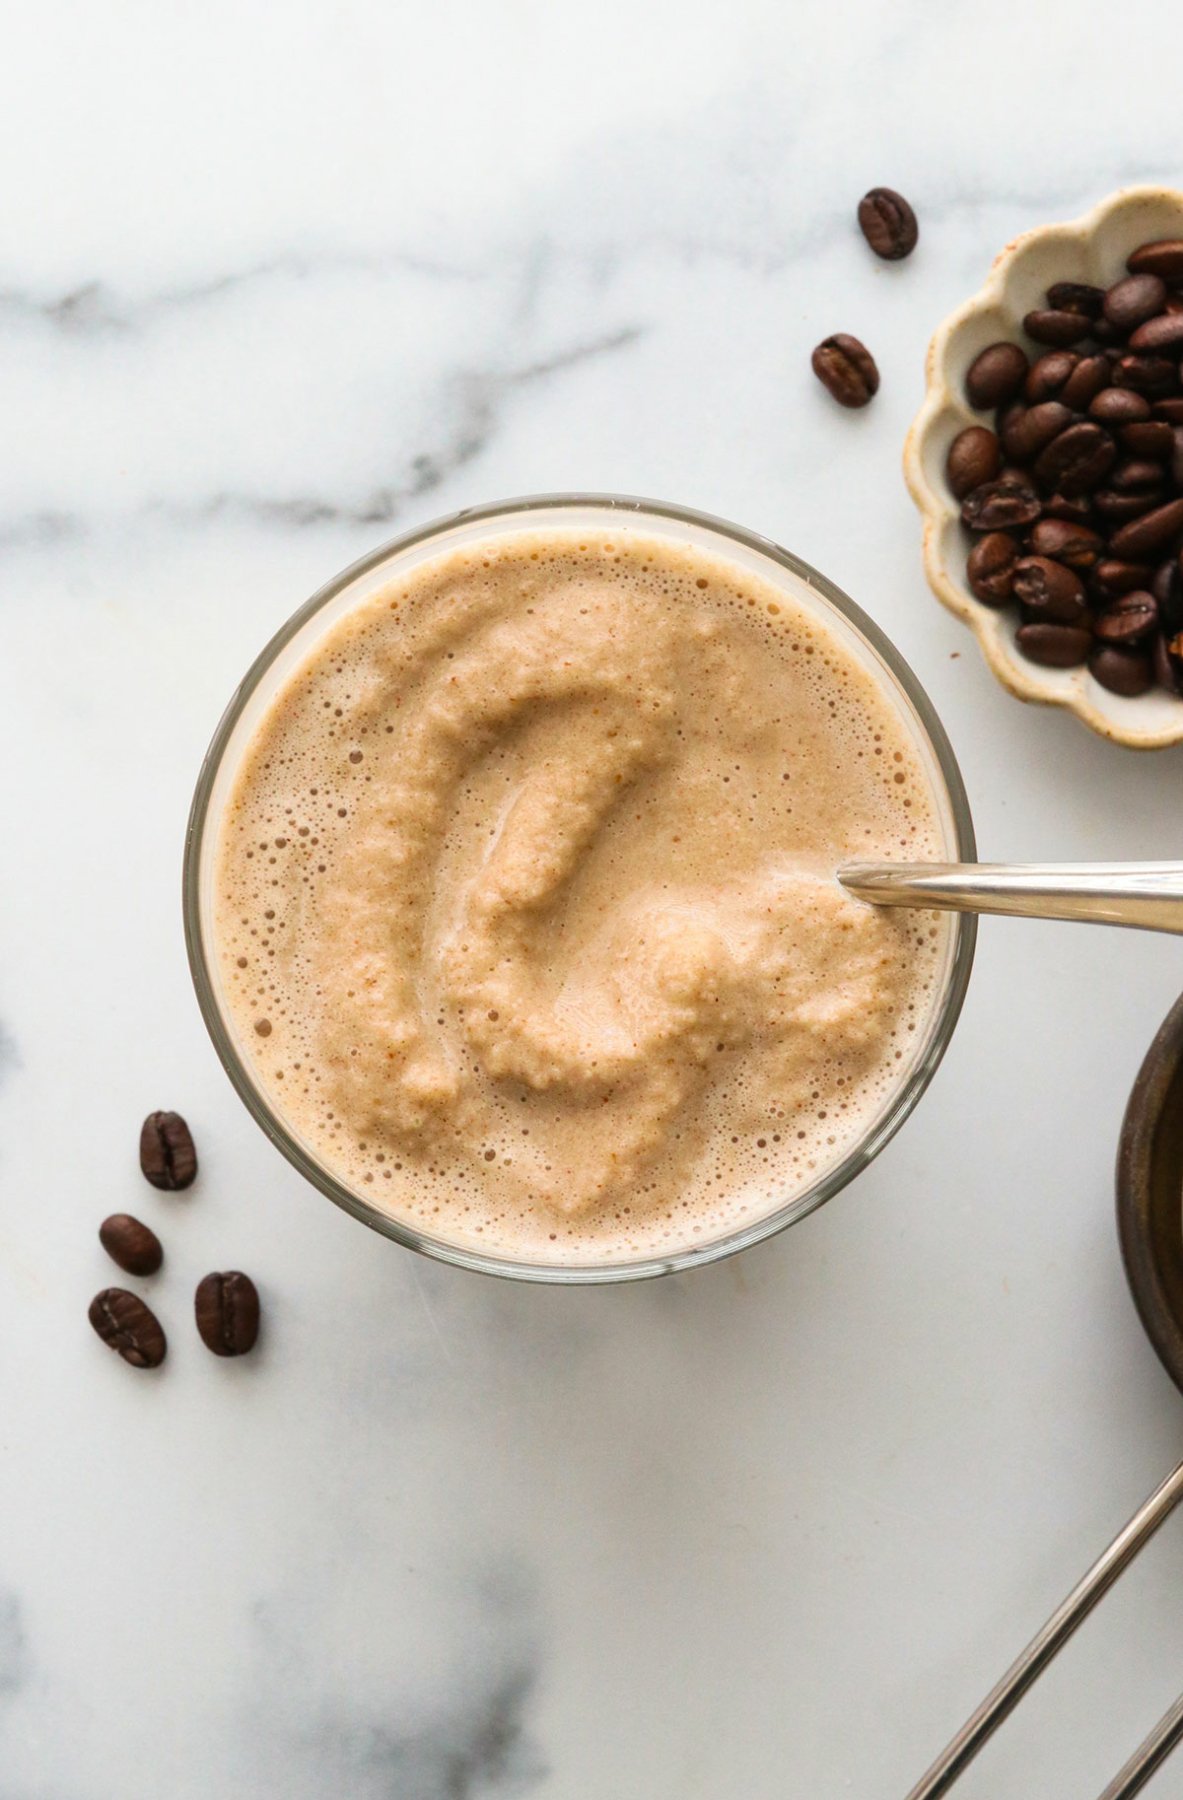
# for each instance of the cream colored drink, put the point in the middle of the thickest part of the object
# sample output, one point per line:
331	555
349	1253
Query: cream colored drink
525	900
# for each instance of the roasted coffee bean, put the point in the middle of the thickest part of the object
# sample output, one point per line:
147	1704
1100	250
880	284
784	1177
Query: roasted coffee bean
1118	406
1125	672
1046	377
1074	507
1049	591
1167	672
1028	428
1076	546
1090	375
1129	620
1150	535
127	1325
995	376
888	223
1115	508
846	369
1176	453
1163	257
1112	578
1170	410
1173	303
1003	505
1077	460
974	457
991	567
1137	474
1005	418
167	1156
1167	588
1058	328
1147	437
1134	298
1163	334
1105	333
1055	646
133	1245
227	1310
1155	376
1076	296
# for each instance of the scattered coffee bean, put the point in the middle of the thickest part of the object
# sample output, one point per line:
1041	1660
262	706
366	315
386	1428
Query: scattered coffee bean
888	223
974	458
1060	328
1170	410
1135	298
991	567
127	1325
995	376
846	369
1127	672
1130	620
167	1155
227	1311
1055	646
1163	258
133	1245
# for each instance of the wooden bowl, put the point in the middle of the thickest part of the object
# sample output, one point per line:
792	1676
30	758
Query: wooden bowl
1150	1193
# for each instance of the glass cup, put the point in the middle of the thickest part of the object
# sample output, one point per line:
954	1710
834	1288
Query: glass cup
290	646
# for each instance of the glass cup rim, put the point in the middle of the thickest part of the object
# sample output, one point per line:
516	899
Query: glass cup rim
964	925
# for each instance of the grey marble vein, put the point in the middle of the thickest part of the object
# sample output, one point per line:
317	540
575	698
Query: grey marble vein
41	530
9	1060
479	1747
96	308
13	1646
452	1724
474	400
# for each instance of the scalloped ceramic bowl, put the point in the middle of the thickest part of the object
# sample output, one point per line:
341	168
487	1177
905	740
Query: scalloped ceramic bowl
1093	249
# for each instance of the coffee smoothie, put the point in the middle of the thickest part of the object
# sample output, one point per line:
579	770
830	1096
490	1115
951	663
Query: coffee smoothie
525	905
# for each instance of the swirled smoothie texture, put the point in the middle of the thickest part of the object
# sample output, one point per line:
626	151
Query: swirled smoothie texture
526	905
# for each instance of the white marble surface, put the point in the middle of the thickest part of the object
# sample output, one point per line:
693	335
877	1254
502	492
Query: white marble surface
275	284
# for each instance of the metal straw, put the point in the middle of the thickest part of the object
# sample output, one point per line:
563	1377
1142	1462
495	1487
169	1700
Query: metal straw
1148	894
1047	1642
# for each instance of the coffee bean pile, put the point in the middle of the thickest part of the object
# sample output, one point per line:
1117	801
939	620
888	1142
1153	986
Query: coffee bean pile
226	1305
1075	497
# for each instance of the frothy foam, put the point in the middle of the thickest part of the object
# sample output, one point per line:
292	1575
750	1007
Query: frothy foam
525	908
